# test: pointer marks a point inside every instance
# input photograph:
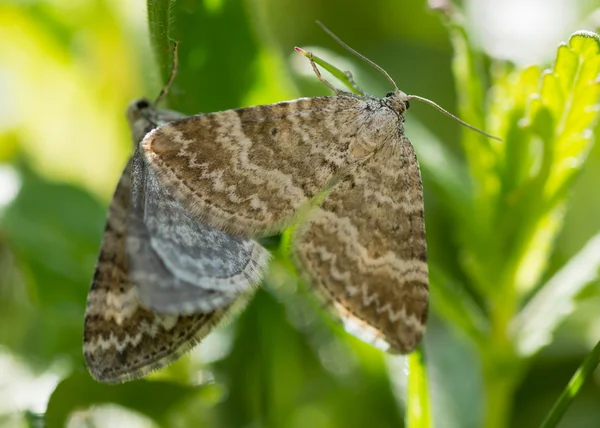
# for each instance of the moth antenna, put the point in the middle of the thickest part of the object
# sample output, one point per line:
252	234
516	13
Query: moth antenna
389	78
447	113
359	55
165	89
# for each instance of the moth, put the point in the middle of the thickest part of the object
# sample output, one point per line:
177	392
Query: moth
163	280
339	171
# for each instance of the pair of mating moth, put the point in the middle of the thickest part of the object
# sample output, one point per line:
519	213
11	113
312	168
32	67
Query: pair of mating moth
178	252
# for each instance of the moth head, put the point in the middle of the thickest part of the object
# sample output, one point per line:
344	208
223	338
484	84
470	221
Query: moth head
397	101
142	104
143	116
137	109
139	116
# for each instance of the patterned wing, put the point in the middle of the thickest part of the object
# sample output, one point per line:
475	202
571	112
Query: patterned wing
182	266
364	248
123	340
248	171
138	262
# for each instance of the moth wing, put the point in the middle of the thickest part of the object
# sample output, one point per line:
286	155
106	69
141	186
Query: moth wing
364	248
248	171
122	339
182	266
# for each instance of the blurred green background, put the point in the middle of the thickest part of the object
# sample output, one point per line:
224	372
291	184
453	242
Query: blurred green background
68	69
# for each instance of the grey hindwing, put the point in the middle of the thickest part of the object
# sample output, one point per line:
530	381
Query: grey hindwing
182	266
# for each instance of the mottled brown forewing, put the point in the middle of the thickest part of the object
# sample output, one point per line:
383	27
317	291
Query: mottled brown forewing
248	171
364	248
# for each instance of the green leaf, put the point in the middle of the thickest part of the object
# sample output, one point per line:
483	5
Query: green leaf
571	93
343	77
160	20
201	28
56	246
79	391
511	94
277	385
534	326
442	172
561	117
457	307
456	389
470	79
476	227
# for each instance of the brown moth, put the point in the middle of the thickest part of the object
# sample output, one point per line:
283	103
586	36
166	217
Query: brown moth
340	170
163	280
251	171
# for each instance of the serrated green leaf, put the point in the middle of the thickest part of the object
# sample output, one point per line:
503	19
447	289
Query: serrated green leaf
553	143
571	93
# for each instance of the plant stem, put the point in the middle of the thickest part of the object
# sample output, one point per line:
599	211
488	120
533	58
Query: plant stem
499	384
418	413
575	384
501	364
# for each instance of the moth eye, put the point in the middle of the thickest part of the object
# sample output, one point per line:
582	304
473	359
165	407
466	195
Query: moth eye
142	104
407	104
389	94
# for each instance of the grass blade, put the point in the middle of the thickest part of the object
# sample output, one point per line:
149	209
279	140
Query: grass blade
583	373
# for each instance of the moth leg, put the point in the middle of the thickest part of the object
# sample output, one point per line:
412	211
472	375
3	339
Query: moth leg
174	67
353	83
319	76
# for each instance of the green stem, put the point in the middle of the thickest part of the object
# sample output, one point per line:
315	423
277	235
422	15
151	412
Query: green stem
583	373
418	412
501	364
499	385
